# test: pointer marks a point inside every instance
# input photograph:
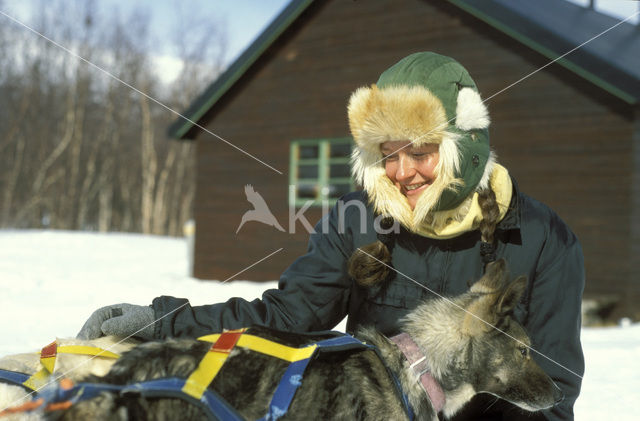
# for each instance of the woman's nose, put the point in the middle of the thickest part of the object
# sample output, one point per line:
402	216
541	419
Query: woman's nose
406	167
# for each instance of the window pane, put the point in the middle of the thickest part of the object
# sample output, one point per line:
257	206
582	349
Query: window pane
308	151
307	191
338	190
340	150
308	171
339	170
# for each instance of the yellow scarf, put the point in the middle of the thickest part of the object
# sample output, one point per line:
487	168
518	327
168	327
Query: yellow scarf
467	216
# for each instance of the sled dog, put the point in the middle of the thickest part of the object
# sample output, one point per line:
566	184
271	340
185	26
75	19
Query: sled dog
449	350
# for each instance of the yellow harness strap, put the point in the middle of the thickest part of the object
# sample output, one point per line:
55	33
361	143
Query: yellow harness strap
37	380
267	347
86	350
49	354
211	363
223	343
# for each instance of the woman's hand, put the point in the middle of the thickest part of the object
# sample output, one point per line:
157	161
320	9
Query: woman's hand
120	320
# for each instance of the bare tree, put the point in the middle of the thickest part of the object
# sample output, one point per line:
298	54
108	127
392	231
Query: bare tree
80	150
14	165
149	164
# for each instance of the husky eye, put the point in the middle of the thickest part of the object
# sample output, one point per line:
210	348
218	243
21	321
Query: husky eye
523	351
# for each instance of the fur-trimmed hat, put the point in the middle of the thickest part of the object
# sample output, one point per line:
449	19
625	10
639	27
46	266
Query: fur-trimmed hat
424	98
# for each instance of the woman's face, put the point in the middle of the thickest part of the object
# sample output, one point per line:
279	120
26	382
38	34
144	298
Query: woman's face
410	168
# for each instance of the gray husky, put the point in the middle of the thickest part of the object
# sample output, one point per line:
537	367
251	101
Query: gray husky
449	351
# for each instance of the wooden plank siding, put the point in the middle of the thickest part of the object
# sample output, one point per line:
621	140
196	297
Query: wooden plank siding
567	142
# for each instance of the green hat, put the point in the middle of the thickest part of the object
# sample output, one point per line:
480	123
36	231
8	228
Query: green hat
424	98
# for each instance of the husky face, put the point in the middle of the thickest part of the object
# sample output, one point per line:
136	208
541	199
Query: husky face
474	345
504	368
499	348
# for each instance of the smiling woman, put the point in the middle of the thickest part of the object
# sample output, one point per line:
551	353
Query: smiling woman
410	168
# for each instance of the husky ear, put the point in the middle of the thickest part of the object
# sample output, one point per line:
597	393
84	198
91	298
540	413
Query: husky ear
511	295
481	312
494	279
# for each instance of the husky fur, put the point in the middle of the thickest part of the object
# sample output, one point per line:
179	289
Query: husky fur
466	355
73	366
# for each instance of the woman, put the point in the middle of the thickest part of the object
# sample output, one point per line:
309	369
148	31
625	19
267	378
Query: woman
437	208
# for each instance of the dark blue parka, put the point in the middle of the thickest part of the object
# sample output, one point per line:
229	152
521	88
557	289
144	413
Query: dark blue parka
315	292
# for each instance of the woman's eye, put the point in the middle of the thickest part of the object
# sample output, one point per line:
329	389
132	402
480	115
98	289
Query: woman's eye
420	155
390	158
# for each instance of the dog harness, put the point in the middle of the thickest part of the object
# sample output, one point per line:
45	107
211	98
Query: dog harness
299	359
195	388
48	357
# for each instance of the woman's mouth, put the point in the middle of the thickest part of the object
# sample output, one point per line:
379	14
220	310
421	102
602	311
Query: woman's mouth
413	189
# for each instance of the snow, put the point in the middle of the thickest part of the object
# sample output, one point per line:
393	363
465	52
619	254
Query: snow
51	281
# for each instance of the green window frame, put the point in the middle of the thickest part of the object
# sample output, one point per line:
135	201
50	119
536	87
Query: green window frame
319	171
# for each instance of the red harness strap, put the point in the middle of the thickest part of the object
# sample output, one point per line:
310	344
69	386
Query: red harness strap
227	341
48	356
212	362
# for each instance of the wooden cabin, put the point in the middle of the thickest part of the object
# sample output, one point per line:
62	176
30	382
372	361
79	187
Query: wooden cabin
566	126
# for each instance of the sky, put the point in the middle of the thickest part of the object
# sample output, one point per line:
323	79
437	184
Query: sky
616	8
242	21
51	281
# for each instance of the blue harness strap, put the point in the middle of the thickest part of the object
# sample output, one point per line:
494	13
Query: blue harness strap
214	406
13	377
78	392
211	403
292	378
286	390
405	398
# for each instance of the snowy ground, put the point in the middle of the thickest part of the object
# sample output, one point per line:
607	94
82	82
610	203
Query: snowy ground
51	281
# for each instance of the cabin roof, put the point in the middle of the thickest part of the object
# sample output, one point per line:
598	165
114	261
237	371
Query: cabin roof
597	47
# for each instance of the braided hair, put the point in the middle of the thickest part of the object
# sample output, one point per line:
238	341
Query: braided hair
490	218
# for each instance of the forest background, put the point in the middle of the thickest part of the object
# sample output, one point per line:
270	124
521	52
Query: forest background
85	150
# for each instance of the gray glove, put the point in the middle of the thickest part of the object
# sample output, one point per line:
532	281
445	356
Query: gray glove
120	320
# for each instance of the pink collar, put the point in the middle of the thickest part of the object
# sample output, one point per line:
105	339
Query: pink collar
418	362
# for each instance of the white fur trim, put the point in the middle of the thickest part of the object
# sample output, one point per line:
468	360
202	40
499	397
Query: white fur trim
471	113
488	169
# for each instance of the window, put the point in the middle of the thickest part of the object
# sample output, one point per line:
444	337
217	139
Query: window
319	171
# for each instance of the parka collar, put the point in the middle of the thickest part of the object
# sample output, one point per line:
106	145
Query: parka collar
511	220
